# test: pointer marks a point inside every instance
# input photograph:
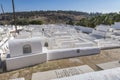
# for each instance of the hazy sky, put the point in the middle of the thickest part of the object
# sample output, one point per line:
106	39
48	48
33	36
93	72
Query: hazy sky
78	5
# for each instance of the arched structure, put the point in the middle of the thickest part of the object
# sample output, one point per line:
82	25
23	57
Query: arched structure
21	47
27	49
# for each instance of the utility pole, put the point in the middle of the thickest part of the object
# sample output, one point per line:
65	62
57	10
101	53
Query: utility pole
14	16
3	11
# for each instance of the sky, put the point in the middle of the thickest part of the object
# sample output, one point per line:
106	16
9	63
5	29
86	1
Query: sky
103	6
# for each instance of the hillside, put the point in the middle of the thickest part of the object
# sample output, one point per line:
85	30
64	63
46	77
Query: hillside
106	19
45	17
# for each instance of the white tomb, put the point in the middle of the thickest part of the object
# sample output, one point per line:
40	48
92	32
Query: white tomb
25	52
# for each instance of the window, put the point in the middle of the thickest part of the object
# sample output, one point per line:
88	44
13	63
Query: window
46	44
43	29
78	51
27	49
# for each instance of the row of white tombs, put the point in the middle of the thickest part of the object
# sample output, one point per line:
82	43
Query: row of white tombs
28	52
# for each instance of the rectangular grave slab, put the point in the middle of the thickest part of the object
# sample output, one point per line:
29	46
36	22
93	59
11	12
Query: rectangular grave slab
18	79
109	65
110	74
60	73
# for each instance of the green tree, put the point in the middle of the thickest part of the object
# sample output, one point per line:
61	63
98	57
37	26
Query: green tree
22	22
70	22
36	22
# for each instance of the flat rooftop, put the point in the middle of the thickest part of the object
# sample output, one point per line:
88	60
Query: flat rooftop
92	61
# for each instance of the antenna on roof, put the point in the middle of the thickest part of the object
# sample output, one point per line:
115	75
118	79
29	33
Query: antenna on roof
14	16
